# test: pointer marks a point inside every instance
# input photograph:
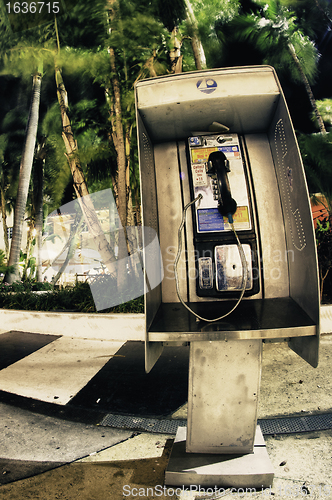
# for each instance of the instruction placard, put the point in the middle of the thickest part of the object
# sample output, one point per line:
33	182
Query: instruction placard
199	174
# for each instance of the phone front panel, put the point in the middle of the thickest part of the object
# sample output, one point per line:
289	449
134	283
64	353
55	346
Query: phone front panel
219	269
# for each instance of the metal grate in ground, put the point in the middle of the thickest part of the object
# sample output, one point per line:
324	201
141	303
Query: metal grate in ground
142	424
292	425
287	425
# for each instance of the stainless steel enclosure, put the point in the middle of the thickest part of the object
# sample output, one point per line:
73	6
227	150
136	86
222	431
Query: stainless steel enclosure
249	102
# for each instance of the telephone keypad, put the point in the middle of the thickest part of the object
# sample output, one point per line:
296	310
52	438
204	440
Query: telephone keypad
215	189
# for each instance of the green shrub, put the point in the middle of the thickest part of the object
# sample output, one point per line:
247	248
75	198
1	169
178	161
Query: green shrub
24	286
3	266
39	286
77	298
324	251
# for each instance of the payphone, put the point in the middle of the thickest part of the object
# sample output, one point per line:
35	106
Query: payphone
219	175
223	186
225	242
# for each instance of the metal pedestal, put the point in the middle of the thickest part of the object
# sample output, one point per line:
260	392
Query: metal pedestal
222	445
251	470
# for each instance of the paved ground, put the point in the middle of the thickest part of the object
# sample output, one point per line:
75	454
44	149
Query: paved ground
53	446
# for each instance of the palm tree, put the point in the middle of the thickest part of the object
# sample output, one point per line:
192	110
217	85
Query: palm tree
11	144
316	151
307	86
117	127
275	33
3	145
37	201
135	50
24	179
80	186
171	13
198	50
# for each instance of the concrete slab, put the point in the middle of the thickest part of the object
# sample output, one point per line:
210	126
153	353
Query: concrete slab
325	318
290	385
140	447
57	371
16	470
27	436
302	469
119	327
123	387
16	345
252	470
302	464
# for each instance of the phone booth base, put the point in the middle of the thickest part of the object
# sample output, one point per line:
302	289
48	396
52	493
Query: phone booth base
251	470
222	444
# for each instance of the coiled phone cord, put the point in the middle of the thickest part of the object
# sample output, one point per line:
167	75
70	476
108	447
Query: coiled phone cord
243	260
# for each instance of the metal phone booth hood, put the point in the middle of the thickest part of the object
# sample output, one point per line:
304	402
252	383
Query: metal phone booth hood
223	186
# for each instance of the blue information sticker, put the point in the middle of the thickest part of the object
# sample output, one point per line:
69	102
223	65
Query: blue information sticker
210	219
229	149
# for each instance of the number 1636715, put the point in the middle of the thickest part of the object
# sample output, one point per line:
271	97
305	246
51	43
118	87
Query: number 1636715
33	7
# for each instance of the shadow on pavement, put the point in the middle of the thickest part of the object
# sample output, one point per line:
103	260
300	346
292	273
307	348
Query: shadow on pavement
122	386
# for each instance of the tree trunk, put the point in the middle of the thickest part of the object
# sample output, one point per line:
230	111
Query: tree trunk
148	67
39	233
119	142
38	195
138	208
70	244
120	148
109	102
114	100
308	89
24	180
322	280
175	54
129	198
198	51
4	218
28	250
79	183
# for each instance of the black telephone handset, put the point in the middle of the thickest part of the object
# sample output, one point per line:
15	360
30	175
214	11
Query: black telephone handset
217	165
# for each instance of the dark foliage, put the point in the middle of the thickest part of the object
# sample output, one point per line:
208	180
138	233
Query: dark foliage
75	299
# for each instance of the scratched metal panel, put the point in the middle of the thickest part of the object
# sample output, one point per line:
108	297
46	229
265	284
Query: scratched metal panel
150	220
174	107
300	238
170	208
224	381
270	220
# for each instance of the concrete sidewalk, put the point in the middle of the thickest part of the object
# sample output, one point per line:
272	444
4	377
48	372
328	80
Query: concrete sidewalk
104	463
117	327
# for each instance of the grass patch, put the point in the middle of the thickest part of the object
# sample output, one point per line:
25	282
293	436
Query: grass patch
77	298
